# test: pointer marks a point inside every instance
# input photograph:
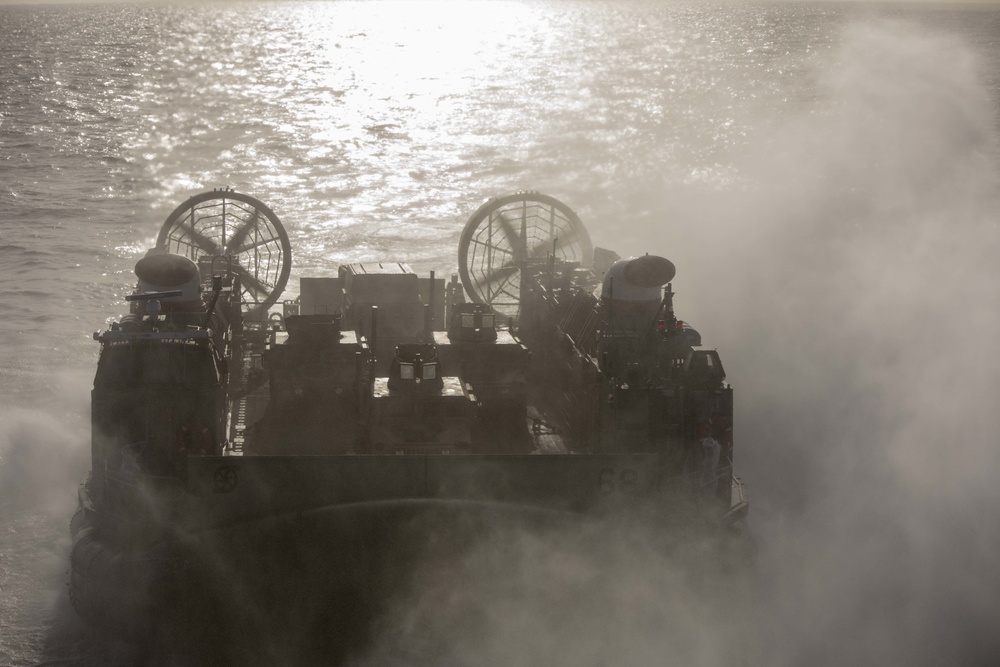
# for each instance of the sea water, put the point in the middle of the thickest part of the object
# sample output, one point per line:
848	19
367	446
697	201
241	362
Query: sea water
823	175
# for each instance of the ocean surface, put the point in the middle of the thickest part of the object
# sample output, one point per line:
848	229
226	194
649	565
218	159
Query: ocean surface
825	177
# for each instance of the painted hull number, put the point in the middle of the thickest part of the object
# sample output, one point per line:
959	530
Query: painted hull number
225	479
624	481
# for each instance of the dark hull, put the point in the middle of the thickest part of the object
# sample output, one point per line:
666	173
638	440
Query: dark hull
301	587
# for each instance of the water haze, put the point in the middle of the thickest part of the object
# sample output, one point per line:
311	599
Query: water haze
824	176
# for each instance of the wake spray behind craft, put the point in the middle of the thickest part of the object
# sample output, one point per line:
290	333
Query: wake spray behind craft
861	269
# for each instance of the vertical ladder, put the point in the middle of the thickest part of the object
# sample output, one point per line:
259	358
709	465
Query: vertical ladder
249	390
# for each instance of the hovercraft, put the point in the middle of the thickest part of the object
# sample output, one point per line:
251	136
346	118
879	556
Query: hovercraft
252	456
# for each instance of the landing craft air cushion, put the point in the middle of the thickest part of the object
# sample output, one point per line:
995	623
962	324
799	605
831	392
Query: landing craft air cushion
239	440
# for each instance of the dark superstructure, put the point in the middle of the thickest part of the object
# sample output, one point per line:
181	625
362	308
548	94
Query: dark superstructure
239	441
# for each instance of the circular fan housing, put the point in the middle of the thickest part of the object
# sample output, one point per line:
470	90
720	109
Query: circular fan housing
243	231
508	233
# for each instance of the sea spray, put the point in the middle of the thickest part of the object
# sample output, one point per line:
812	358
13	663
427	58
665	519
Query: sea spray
862	275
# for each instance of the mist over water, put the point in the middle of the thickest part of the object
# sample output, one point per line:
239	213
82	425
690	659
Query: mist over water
840	253
860	289
44	455
608	593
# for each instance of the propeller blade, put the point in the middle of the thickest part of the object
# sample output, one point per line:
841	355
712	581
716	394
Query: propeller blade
543	249
250	282
199	240
501	277
241	234
252	246
513	238
501	273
